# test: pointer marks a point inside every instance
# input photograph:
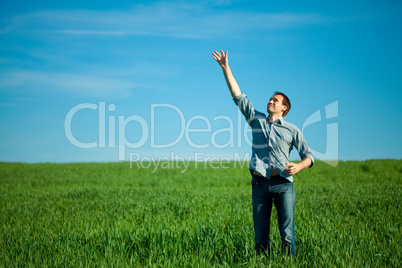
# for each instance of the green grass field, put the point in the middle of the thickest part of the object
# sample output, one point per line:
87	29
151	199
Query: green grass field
108	214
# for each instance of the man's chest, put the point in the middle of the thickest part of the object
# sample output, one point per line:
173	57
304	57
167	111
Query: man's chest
275	134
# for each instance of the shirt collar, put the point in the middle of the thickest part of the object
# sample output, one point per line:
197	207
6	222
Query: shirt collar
279	121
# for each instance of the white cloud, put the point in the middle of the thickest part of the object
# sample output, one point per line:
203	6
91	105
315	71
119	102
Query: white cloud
173	19
84	85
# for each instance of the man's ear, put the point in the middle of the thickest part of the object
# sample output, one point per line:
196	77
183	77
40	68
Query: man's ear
284	108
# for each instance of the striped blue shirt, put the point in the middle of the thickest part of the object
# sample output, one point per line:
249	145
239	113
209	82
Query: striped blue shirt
272	142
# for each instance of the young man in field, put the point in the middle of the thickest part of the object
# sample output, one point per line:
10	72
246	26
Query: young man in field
272	181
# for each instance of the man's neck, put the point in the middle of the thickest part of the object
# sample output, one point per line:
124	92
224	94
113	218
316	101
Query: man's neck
273	117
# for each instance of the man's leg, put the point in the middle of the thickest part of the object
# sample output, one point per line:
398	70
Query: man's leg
285	205
262	206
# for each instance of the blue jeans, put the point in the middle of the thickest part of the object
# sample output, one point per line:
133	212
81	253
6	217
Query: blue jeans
281	192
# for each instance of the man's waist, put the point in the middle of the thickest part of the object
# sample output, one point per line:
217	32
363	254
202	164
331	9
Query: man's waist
273	173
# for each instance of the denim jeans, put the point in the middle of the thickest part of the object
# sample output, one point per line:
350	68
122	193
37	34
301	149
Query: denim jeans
281	192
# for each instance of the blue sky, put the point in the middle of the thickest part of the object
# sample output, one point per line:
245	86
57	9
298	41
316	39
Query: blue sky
145	68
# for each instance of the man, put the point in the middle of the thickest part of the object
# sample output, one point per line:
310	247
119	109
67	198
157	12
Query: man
273	139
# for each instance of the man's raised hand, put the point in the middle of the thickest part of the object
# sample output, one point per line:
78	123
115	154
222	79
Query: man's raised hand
221	58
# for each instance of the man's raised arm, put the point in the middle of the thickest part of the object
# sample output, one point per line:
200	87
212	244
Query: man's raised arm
222	59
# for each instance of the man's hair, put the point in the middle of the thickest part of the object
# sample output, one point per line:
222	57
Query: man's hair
285	102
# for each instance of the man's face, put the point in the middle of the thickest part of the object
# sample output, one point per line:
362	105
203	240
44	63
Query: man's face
275	105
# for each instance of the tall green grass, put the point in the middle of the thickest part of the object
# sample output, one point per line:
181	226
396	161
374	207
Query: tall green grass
108	214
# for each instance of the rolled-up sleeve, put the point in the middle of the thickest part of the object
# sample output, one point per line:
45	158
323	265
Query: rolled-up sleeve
301	145
245	107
